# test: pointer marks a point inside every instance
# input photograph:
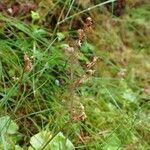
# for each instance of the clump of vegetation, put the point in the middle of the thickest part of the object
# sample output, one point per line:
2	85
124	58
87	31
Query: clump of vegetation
74	75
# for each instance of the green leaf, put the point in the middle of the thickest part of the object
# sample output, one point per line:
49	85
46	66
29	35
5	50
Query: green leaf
61	142
8	130
35	15
58	142
112	143
87	48
17	147
31	148
129	95
60	36
38	140
83	58
7	125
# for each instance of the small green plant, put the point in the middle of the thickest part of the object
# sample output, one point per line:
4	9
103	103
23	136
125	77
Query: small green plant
8	133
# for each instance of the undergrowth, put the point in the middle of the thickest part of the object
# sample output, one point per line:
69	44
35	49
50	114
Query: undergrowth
74	78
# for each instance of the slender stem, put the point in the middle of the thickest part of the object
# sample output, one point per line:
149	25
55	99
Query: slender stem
86	10
33	80
20	84
69	8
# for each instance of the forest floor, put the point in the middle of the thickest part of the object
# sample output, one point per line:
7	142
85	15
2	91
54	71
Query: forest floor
74	75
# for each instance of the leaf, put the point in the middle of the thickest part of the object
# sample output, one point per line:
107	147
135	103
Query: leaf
17	147
35	15
87	48
39	139
61	142
112	143
7	125
64	45
129	95
83	58
30	148
58	142
60	36
8	130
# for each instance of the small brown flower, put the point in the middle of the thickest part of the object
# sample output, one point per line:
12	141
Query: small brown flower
10	11
70	49
79	43
88	24
81	34
78	114
81	37
83	137
91	64
27	63
82	116
82	79
74	115
89	21
90	72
